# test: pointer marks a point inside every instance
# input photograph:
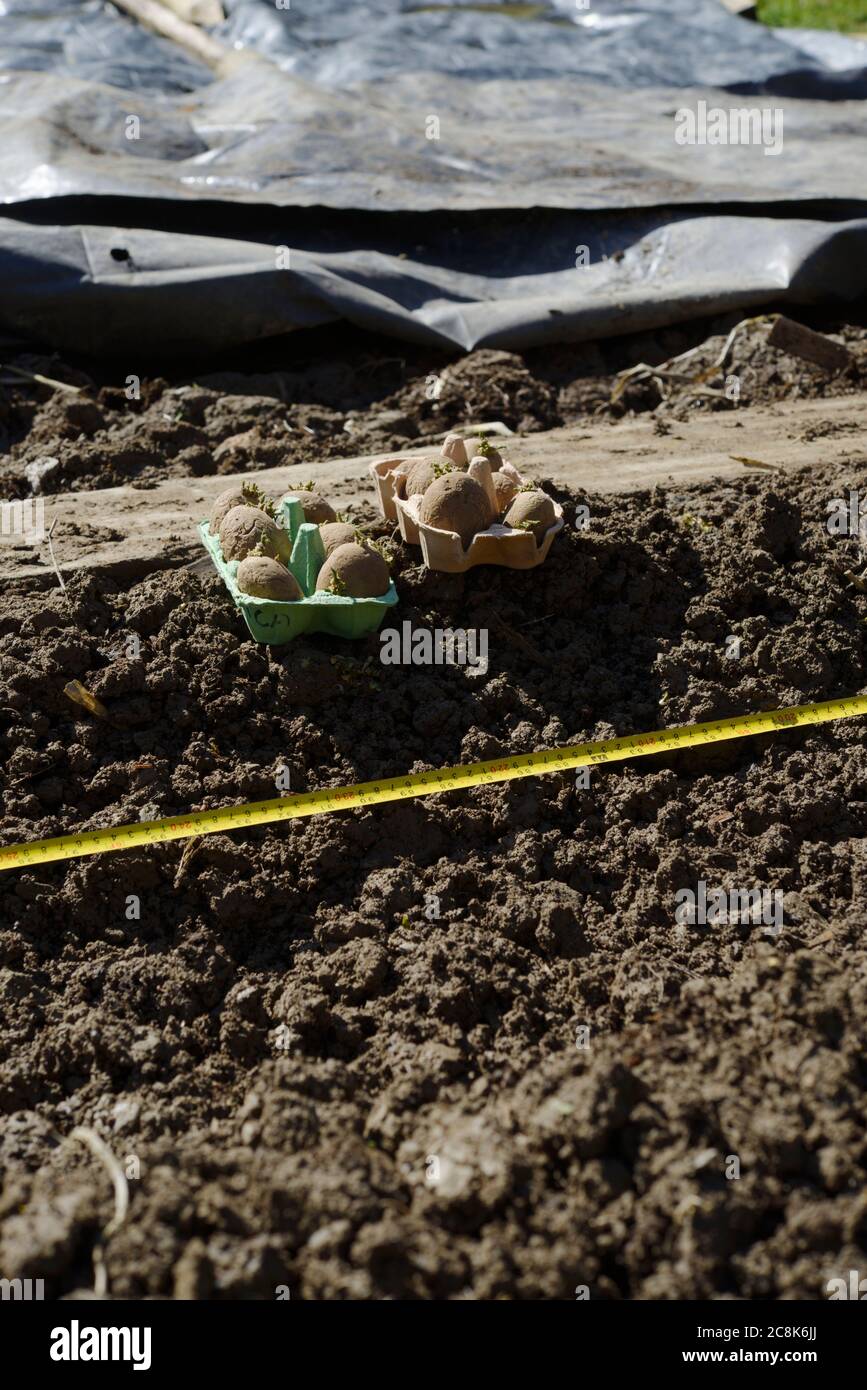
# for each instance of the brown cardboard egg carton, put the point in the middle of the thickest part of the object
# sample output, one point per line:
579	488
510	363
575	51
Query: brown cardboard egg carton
442	550
389	477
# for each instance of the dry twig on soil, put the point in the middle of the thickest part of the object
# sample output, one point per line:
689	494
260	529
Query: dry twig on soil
98	1147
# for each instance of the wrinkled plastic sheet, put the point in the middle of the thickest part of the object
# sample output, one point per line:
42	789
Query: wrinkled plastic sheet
555	133
259	136
652	43
174	296
92	41
675	43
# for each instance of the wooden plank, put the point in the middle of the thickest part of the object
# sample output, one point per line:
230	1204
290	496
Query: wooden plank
129	530
747	9
205	12
156	16
803	342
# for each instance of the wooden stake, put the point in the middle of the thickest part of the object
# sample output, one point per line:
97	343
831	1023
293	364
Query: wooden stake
803	342
156	16
204	12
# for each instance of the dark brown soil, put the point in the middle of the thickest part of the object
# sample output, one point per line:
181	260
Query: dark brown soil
380	399
429	1127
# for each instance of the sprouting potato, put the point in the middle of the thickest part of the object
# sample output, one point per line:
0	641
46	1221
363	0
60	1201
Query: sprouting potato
456	502
532	511
316	509
261	576
335	533
242	495
232	497
354	572
484	449
247	529
423	473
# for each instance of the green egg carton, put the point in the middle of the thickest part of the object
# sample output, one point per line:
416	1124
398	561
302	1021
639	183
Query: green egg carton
276	621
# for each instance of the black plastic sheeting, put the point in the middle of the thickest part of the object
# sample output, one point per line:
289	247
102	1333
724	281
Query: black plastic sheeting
302	185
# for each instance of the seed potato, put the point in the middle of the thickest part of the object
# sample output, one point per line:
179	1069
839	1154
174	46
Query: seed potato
245	529
316	509
532	511
355	572
456	502
263	577
335	533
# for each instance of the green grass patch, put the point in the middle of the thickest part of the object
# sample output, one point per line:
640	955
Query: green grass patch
814	14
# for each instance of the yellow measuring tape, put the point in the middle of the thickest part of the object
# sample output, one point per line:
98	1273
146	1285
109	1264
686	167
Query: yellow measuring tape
154	832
